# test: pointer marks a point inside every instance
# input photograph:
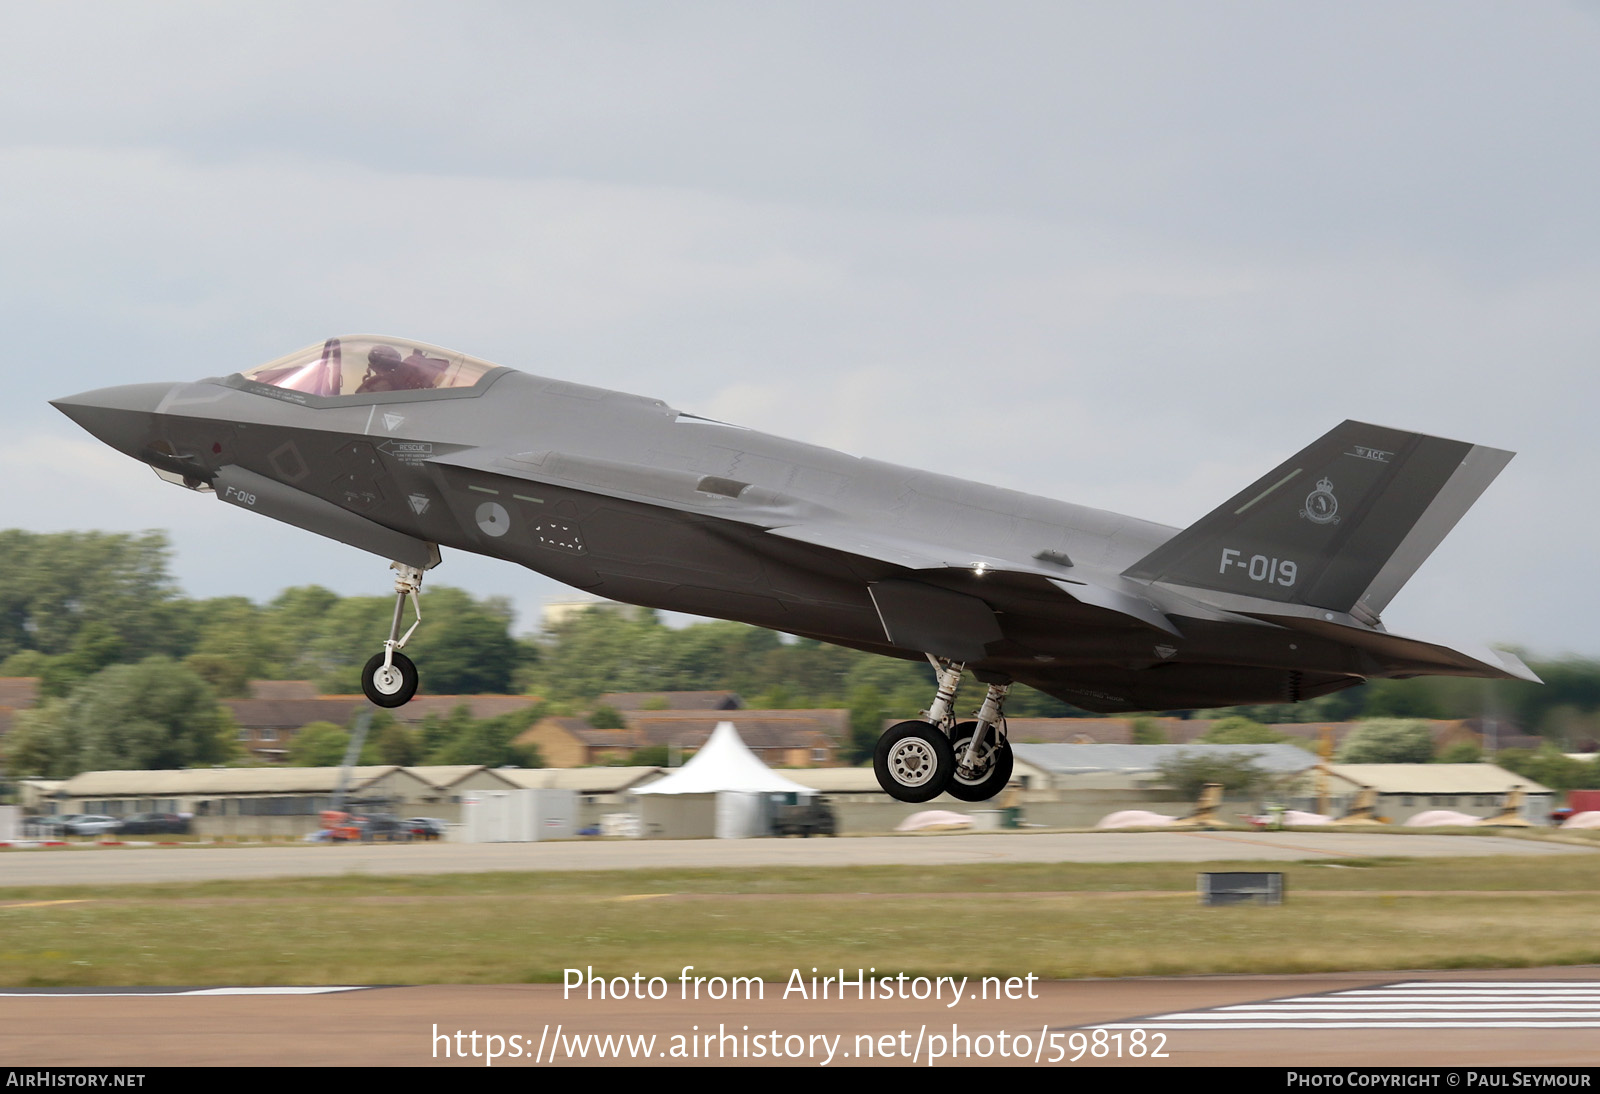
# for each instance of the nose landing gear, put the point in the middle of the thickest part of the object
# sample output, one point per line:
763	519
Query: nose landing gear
389	679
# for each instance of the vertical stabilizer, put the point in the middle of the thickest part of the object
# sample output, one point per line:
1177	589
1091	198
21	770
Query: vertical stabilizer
1342	525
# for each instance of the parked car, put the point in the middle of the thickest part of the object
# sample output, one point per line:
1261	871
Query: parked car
384	826
142	823
52	825
93	824
424	827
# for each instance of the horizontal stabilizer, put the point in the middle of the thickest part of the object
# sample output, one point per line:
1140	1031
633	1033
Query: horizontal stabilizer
1402	655
1341	526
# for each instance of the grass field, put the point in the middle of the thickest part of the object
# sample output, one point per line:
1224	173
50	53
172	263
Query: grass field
1051	920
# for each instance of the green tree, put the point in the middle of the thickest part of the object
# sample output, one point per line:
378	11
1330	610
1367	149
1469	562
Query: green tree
1548	766
780	697
868	712
648	756
465	645
459	738
233	643
604	717
438	734
94	647
490	741
602	650
394	744
58	583
43	742
319	744
25	663
1401	699
291	626
227	677
1187	772
149	716
1147	731
906	686
1388	741
1241	731
1462	752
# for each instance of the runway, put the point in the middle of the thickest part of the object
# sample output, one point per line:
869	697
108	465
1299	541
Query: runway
127	865
1522	1018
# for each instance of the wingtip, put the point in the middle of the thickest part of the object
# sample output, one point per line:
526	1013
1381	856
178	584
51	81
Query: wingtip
1516	667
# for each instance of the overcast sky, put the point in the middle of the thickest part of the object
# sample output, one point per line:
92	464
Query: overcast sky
1125	254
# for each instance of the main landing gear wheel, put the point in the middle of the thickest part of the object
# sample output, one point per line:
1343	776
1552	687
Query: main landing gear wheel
392	686
913	762
993	765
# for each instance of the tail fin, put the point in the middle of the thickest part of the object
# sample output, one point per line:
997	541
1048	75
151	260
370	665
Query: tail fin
1342	525
1205	809
1364	810
1510	814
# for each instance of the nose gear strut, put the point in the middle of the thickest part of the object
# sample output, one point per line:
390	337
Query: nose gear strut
389	679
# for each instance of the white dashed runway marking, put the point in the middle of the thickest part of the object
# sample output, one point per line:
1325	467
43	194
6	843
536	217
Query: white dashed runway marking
123	993
1427	1004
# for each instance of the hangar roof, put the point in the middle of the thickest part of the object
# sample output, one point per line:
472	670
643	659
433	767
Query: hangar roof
1091	759
585	780
218	780
1435	778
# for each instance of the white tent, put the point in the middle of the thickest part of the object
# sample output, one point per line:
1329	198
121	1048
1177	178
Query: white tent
730	779
725	763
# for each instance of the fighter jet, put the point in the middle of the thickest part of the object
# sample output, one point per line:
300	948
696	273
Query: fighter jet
401	448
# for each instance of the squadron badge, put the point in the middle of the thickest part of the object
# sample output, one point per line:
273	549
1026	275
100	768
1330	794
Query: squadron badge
1321	506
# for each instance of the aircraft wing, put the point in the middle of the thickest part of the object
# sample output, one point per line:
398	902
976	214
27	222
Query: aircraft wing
685	491
785	515
870	543
805	521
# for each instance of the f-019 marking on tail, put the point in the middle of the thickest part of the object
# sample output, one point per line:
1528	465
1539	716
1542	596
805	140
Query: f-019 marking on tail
1340	526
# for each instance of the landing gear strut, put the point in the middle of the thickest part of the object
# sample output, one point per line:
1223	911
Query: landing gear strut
389	679
918	761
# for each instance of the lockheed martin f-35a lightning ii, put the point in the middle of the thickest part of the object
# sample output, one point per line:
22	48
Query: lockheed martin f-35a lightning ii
400	448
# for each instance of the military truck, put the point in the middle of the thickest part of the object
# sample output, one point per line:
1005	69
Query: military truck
811	818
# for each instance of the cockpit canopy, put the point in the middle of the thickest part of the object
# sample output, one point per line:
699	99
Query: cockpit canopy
366	364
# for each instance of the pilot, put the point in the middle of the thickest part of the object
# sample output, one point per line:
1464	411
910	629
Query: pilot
385	371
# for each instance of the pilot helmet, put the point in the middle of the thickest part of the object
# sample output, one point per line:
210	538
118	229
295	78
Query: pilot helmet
384	358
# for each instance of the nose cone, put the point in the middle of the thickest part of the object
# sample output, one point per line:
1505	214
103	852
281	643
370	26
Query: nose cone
123	417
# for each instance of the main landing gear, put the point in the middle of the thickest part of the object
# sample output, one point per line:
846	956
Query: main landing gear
389	678
918	761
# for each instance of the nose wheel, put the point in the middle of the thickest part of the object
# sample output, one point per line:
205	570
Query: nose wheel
392	684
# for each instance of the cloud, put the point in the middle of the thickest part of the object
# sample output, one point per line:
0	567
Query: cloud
1129	256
